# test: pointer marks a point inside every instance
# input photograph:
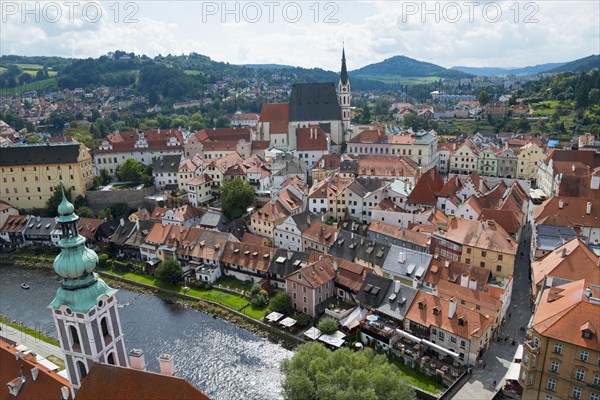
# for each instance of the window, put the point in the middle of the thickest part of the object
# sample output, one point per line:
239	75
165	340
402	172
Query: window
557	348
483	253
441	335
554	366
111	358
74	338
453	339
597	379
551	385
584	355
536	343
468	250
579	374
548	397
499	257
482	264
463	343
82	369
576	392
498	268
594	396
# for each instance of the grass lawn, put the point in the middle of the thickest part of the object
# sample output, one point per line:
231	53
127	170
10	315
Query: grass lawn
419	379
256	313
29	331
30	66
125	185
232	283
192	72
56	360
38	85
226	299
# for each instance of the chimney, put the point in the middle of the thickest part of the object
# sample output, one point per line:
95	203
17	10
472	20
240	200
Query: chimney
561	204
136	359
402	257
473	284
34	373
563	253
588	208
64	392
464	280
335	264
122	222
573	167
588	292
289	253
167	364
451	308
415	284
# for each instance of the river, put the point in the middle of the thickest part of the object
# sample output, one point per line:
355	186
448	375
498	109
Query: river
221	359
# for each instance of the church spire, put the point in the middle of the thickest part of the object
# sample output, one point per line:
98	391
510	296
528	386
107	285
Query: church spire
344	72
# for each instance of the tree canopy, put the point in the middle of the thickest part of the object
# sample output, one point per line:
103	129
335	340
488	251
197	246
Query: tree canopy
281	303
170	272
55	199
130	171
327	325
317	373
236	196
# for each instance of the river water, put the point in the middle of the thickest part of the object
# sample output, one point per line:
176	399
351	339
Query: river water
219	358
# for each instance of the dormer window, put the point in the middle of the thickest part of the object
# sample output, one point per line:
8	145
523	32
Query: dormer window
586	334
461	322
436	311
421	305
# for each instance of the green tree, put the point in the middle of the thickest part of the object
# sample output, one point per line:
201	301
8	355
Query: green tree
594	96
483	97
317	373
105	214
327	325
236	196
281	303
169	272
79	201
105	176
55	199
85	212
130	170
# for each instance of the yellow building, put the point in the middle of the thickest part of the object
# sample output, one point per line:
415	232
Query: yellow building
529	157
561	358
29	174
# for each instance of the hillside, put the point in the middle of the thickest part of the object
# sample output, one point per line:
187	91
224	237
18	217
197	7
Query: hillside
585	64
493	71
405	67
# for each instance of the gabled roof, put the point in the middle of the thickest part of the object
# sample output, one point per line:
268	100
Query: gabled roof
451	187
393	231
321	233
572	261
314	102
565	311
452	271
572	208
480	234
166	164
47	385
39	154
248	255
422	308
373	299
15	224
158	234
88	227
328	162
428	185
106	381
311	139
314	275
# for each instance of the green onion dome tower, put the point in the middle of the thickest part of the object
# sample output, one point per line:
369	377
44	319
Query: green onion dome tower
85	308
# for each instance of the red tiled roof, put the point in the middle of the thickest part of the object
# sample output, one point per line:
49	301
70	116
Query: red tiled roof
311	139
47	386
15	224
278	115
106	381
426	188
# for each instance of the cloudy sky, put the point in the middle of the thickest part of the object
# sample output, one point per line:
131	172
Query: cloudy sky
309	33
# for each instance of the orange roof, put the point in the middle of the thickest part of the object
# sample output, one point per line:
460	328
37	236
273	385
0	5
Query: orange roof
422	308
347	273
398	233
387	205
158	213
451	187
15	224
315	275
106	381
322	233
370	136
88	227
484	235
158	234
574	209
142	214
382	165
5	206
479	297
251	238
328	162
278	116
47	385
311	139
454	271
251	256
200	179
426	188
573	260
565	311
272	211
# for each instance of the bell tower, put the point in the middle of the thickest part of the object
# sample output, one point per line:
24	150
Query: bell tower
344	94
85	307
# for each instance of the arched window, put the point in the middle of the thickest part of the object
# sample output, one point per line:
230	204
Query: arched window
75	344
82	369
111	358
105	331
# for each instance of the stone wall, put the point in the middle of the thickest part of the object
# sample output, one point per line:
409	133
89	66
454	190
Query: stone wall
100	199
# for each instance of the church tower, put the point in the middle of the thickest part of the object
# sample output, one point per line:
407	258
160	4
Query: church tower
344	94
85	307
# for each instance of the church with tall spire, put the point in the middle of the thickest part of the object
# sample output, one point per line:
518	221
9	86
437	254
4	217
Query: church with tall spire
85	307
344	95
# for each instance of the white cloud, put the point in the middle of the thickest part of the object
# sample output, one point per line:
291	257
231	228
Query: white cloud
371	31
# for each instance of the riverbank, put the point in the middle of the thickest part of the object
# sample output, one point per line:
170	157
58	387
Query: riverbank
191	299
218	303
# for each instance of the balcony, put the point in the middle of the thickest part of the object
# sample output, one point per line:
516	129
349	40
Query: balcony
529	346
378	328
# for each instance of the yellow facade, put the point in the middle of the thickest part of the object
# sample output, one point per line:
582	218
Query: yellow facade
498	263
29	185
552	369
